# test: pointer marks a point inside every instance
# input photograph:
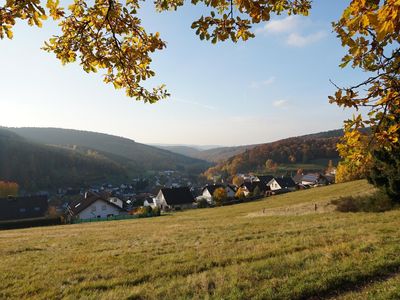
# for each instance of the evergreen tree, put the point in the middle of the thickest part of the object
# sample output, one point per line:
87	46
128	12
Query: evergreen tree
385	172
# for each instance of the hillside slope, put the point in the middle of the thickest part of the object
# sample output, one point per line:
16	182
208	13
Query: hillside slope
232	252
136	157
308	149
35	166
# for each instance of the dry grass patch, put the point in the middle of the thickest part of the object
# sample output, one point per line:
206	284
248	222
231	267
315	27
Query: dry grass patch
209	253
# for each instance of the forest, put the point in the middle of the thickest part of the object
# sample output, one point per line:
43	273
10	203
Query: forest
296	150
34	166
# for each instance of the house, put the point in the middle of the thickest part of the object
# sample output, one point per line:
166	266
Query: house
331	171
297	178
142	199
208	191
249	187
174	198
331	178
282	184
264	179
116	201
233	188
149	202
314	179
14	208
94	205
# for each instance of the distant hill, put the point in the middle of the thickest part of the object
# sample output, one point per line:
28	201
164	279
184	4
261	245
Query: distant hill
219	154
223	153
313	149
34	166
48	157
183	150
213	155
137	158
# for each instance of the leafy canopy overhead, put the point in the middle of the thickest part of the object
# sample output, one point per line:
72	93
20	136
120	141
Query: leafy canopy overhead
370	30
107	35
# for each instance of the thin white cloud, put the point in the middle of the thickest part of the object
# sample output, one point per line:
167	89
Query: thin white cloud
295	29
266	82
299	40
285	25
280	103
209	107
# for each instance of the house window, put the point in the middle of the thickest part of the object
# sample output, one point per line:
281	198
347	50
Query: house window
104	207
22	210
94	208
37	208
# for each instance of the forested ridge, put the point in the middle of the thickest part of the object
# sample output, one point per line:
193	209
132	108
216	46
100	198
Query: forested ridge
137	157
296	150
47	158
34	166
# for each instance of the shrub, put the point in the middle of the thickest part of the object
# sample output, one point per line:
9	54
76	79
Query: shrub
144	211
220	196
240	193
256	192
156	211
377	202
202	203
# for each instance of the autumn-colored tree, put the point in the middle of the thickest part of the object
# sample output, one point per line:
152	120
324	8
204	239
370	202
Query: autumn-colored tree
240	193
237	180
8	189
371	32
219	196
271	166
356	161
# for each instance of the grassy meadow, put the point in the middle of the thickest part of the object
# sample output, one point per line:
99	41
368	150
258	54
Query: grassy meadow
275	248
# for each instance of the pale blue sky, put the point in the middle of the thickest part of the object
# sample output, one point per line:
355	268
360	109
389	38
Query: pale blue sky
271	87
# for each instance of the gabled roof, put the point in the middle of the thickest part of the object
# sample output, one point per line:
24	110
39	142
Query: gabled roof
298	178
176	196
78	206
313	177
285	182
13	208
317	178
264	179
232	187
250	186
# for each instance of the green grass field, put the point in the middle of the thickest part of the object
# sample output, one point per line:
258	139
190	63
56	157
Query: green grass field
276	248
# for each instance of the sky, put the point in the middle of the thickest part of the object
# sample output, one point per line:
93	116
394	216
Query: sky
271	87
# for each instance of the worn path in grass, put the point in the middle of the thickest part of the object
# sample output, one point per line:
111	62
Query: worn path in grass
212	253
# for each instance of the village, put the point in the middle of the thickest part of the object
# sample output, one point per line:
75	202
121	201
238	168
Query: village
166	192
